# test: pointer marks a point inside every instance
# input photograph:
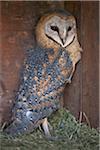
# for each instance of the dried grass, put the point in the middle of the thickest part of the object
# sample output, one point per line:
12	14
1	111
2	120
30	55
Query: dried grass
67	134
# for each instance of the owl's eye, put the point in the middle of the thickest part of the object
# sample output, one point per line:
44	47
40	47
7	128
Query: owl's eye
69	28
55	28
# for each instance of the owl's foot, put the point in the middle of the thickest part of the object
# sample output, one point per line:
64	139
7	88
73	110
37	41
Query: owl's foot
45	126
69	79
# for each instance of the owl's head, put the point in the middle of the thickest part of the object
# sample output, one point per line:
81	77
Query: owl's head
56	30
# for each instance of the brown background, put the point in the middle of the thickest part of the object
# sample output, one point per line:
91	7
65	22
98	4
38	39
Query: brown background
17	24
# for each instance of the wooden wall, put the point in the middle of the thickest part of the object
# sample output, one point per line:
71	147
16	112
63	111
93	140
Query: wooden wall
18	21
83	93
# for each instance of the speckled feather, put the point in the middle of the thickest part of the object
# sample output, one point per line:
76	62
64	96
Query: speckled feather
41	88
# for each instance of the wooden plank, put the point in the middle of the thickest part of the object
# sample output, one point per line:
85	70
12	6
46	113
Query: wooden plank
24	15
72	91
90	69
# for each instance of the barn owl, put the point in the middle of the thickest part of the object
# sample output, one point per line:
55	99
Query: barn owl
46	71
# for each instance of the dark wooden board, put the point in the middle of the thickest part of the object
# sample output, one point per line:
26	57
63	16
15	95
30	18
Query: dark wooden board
90	61
83	94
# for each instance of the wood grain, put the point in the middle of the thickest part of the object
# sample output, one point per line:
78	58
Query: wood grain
90	63
83	93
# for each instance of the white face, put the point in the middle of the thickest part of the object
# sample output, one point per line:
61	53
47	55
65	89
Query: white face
61	31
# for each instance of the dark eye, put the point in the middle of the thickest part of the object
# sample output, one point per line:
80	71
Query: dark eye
55	28
69	28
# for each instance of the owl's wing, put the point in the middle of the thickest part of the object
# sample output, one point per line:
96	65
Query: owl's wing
41	89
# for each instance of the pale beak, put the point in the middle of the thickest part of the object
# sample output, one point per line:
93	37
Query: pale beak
63	35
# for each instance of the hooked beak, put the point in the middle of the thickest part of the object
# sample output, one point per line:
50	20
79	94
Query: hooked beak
65	39
63	36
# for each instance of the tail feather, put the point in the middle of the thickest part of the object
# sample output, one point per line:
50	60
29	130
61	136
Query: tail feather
19	127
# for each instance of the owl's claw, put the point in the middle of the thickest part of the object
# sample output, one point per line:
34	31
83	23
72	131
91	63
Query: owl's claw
69	80
45	125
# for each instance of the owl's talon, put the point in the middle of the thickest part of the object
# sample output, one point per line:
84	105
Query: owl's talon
69	81
45	125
